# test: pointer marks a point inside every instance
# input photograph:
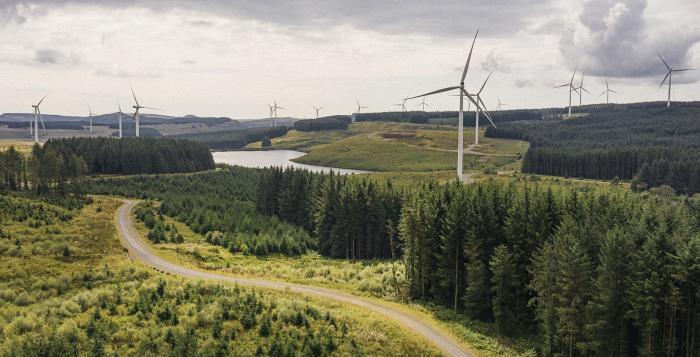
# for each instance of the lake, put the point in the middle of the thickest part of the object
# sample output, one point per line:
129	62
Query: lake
273	158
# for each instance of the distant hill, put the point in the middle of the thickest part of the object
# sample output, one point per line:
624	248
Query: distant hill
112	119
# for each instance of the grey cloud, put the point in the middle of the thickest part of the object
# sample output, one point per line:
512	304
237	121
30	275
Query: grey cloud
523	83
119	72
55	57
612	39
456	18
491	63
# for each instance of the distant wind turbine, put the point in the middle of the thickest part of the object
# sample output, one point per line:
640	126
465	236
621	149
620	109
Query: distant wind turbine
462	94
37	118
120	119
500	105
481	107
317	109
669	74
272	111
424	104
359	107
571	87
90	116
580	91
276	108
607	92
138	107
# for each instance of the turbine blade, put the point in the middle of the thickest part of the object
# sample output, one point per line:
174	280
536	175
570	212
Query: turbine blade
134	94
663	60
41	118
682	70
471	99
612	91
664	81
435	92
563	85
585	90
149	108
42	99
485	111
601	94
572	76
466	66
484	85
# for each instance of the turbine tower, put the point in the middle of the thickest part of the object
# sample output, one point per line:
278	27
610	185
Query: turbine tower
317	109
138	107
571	88
462	94
120	119
481	107
424	104
272	110
37	118
669	74
90	116
580	91
607	92
500	105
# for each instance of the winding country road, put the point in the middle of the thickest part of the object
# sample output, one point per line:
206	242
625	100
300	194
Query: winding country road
140	251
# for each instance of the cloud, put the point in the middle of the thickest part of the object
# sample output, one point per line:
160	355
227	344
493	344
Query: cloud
523	83
55	57
121	72
452	18
612	39
491	63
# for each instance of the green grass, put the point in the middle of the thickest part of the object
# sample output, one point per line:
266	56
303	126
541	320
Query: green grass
380	279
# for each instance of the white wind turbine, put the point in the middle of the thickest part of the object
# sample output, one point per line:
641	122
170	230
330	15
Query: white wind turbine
37	118
580	91
481	107
359	107
571	88
424	104
317	109
607	92
500	105
462	94
272	110
138	107
669	74
276	107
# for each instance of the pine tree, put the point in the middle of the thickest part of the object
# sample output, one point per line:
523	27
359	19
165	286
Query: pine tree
504	285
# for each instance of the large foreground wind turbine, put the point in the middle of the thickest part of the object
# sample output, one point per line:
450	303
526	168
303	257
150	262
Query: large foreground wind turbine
571	88
462	94
37	118
607	92
580	92
481	107
317	109
669	74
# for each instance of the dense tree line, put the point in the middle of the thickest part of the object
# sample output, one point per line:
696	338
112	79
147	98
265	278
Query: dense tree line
653	145
419	117
234	139
219	205
44	171
351	219
604	274
134	155
336	122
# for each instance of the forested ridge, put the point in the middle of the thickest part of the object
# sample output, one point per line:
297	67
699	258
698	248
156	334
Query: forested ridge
594	273
234	139
336	122
649	143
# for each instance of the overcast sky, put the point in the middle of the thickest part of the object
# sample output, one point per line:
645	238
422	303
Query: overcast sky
231	58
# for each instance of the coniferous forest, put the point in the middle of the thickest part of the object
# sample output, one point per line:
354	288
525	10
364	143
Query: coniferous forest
593	273
649	144
336	122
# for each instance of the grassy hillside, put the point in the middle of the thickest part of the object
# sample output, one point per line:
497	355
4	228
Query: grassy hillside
68	288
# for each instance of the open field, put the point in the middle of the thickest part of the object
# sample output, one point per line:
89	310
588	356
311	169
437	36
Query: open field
19	145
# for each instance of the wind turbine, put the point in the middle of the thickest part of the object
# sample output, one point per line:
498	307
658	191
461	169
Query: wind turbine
276	107
500	105
317	109
37	117
90	116
359	107
424	104
669	75
571	88
481	107
607	92
462	94
138	107
272	110
580	91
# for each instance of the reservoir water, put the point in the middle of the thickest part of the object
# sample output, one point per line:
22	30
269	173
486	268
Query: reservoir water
273	158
